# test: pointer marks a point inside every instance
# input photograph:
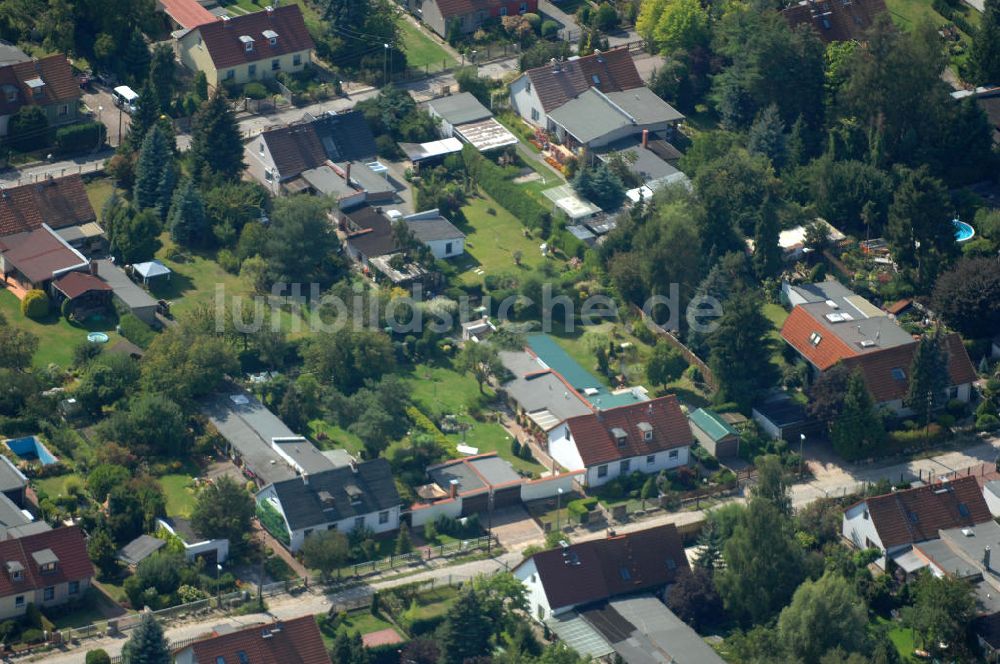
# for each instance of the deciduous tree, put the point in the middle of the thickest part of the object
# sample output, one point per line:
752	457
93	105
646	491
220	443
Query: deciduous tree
223	509
967	297
823	615
481	361
665	365
326	551
695	600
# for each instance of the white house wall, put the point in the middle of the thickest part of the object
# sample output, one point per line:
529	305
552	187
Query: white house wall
859	528
439	248
430	513
563	449
524	99
549	486
661	461
992	501
347	525
538	602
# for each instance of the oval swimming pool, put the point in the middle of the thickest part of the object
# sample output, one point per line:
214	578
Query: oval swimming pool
963	231
97	337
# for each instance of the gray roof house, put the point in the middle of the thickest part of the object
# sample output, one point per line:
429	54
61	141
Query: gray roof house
591	101
361	495
139	549
259	442
538	393
440	235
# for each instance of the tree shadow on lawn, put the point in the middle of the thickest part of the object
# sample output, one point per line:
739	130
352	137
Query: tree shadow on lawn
174	288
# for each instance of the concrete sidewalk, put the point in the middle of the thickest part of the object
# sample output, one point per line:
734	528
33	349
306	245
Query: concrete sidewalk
39	171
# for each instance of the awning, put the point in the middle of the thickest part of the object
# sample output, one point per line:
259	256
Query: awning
417	152
544	419
909	561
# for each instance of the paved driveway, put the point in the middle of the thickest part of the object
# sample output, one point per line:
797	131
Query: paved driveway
514	528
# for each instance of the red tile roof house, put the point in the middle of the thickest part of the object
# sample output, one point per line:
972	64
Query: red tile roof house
835	325
583	573
466	16
48	83
593	101
45	569
295	641
249	47
648	437
835	20
894	522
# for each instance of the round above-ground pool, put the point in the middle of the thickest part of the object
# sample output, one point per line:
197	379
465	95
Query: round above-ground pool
963	231
97	337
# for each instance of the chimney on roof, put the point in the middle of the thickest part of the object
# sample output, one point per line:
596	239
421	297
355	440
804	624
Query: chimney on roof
453	489
986	557
225	20
347	173
305	478
354	466
645	139
270	10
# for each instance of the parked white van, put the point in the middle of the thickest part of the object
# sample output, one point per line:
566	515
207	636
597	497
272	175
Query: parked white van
125	98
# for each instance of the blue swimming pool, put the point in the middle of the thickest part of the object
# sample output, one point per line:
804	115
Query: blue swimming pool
30	448
963	231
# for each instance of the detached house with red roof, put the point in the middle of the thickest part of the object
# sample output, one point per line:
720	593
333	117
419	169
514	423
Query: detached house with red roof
647	437
47	83
830	324
446	17
45	569
249	47
906	525
295	641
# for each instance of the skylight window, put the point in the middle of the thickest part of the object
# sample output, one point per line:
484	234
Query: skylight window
815	338
963	509
898	374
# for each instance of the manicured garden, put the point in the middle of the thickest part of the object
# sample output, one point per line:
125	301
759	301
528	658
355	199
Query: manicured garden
57	337
493	237
421	50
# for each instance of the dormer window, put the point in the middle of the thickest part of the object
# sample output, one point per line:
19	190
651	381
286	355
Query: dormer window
647	431
247	43
37	87
15	570
620	436
271	36
46	560
10	92
354	493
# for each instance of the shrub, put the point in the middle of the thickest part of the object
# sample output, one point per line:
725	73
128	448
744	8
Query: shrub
916	437
136	331
578	508
80	137
228	261
956	408
98	657
987	422
35	304
422	422
254	90
33	635
549	28
28	129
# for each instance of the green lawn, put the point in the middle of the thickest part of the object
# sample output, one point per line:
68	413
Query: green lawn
95	607
777	315
902	638
361	621
421	50
57	337
909	13
55	486
197	279
437	389
179	491
99	191
492	239
335	437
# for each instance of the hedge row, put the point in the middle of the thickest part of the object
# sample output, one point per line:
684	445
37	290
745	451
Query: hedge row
80	137
494	182
424	424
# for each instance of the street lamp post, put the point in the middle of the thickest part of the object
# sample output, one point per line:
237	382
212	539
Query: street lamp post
802	442
559	509
489	525
218	585
385	64
100	110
